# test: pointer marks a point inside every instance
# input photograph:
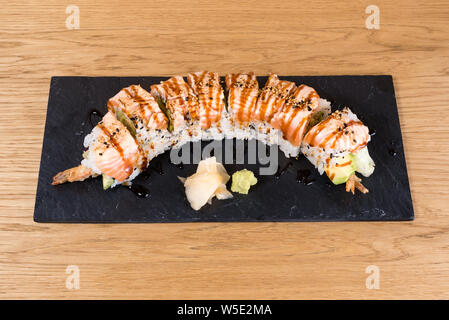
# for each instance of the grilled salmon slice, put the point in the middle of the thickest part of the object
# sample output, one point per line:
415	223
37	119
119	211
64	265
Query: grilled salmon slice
116	151
243	90
341	131
180	100
140	106
206	86
295	112
112	150
272	97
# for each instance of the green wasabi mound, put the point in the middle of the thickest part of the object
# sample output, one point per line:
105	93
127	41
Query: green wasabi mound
242	180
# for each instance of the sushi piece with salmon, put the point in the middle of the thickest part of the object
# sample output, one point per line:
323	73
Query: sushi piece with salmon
270	100
111	151
338	146
180	104
294	114
271	97
211	111
243	91
139	111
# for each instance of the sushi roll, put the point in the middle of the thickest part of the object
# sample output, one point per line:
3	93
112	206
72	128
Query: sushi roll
212	112
293	117
139	111
243	91
112	151
271	98
179	102
338	146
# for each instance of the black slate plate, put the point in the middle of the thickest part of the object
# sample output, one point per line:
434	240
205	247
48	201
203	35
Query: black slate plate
372	98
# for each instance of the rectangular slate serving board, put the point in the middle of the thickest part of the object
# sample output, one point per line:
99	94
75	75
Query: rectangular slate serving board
372	98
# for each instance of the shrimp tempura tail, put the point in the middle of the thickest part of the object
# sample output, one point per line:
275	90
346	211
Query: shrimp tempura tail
355	182
79	173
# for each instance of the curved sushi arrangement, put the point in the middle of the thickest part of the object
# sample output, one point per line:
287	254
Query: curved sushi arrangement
139	125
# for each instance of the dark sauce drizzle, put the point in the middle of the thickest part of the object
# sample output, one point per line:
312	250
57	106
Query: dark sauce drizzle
304	177
280	171
180	165
153	166
96	113
392	149
139	190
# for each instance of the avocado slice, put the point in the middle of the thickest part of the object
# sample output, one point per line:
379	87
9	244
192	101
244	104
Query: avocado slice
123	118
316	118
342	170
166	111
107	182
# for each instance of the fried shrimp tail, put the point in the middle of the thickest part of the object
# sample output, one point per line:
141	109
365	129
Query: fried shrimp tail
79	173
355	182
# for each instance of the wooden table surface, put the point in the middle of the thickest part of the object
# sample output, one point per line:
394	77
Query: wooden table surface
225	260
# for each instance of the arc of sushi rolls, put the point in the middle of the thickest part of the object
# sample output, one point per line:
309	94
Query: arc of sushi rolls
140	125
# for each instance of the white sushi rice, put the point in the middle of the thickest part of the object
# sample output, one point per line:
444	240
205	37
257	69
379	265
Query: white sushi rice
153	142
89	157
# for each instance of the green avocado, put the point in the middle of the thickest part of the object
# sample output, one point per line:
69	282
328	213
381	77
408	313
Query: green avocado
316	118
123	118
166	111
341	172
107	182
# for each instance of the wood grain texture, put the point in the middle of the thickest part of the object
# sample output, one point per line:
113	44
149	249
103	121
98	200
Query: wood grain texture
219	260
